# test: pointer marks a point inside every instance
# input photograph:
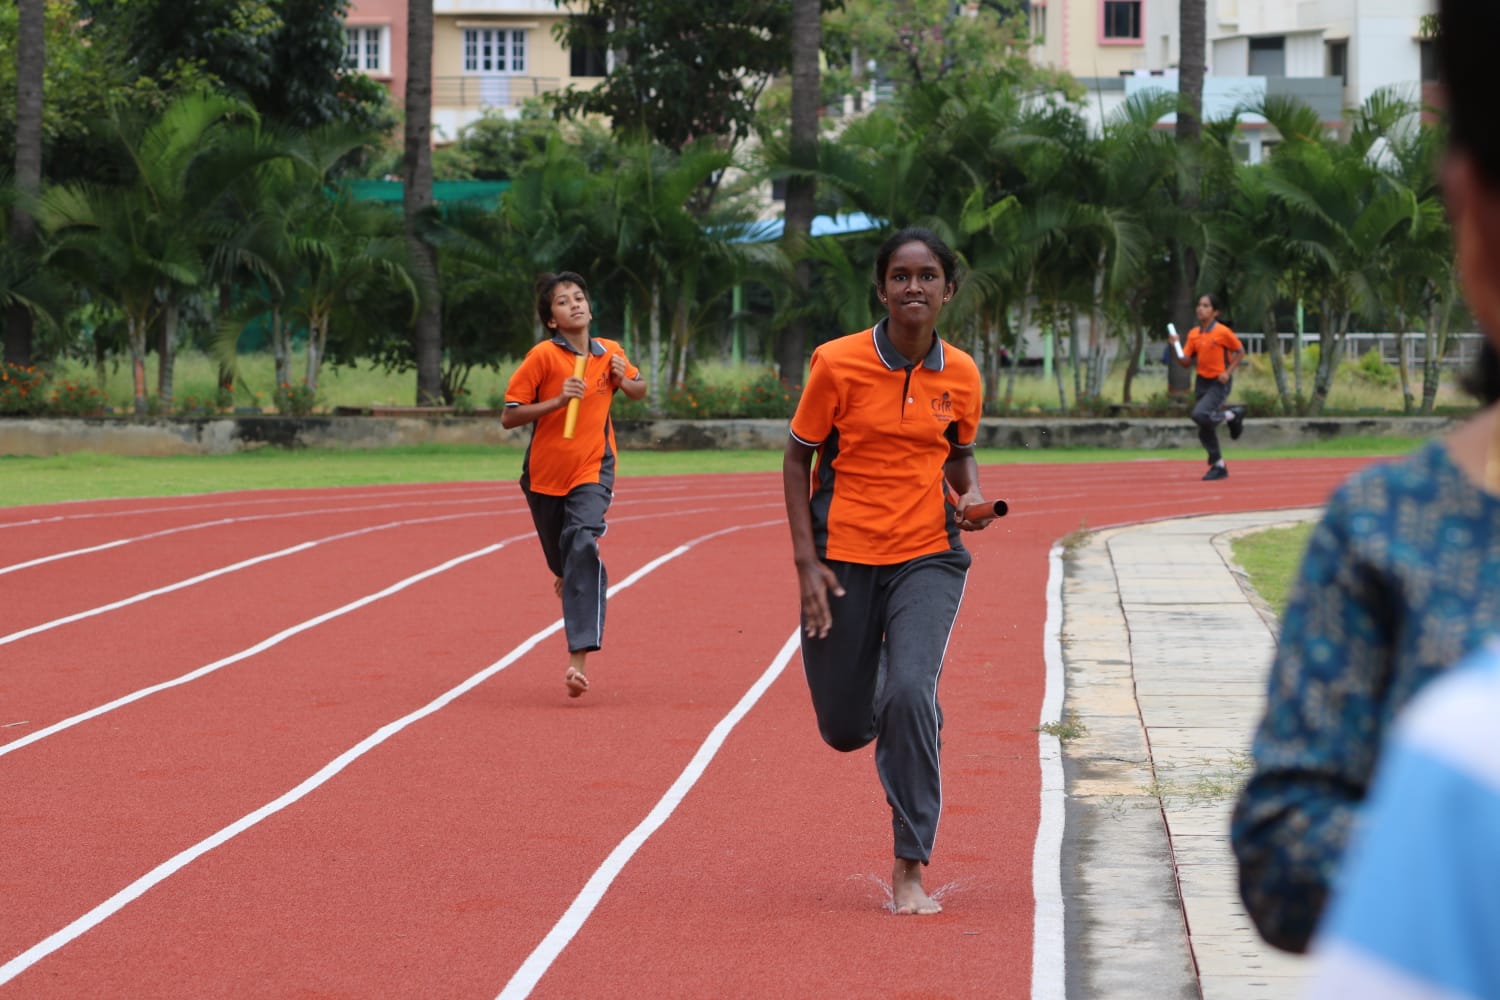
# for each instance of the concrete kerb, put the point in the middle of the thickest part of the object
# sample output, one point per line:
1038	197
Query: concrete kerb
1165	653
219	435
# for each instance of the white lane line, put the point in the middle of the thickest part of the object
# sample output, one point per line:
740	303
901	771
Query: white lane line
146	595
294	496
220	522
250	651
249	518
572	920
172	865
416	494
1048	966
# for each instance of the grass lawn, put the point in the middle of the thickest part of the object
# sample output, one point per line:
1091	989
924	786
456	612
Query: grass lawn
1271	558
90	476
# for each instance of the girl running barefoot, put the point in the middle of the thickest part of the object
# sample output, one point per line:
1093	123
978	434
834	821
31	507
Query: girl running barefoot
890	413
568	479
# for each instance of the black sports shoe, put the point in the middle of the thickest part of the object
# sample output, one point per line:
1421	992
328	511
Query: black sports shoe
1236	421
1216	472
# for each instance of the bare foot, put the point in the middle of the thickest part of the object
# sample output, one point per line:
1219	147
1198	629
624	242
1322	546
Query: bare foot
907	894
557	586
576	682
575	678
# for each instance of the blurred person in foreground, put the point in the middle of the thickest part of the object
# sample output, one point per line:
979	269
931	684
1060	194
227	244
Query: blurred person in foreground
1415	911
1401	578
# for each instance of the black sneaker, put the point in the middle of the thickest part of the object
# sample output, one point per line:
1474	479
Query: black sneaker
1236	421
1216	472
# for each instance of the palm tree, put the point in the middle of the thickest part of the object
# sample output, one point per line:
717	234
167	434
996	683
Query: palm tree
801	182
269	220
345	247
144	244
427	334
1342	212
658	238
30	66
25	285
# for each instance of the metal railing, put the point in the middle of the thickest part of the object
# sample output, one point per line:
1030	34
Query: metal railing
1462	347
489	91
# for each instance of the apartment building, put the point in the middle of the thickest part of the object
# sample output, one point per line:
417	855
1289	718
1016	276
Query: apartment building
487	55
1333	54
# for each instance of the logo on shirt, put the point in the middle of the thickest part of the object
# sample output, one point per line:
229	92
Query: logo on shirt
942	408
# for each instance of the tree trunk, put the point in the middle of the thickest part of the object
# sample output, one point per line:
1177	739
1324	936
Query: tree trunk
1403	366
1297	376
801	186
1075	356
1330	347
1057	371
281	348
1133	366
1192	22
1435	341
1278	361
30	65
654	325
317	343
427	334
166	356
136	330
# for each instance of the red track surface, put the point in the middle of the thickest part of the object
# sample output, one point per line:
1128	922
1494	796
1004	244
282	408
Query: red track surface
431	858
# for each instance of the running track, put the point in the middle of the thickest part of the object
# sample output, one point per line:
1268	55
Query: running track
316	744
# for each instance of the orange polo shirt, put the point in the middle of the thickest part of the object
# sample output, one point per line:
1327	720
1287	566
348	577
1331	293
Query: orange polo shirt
554	465
884	428
1212	349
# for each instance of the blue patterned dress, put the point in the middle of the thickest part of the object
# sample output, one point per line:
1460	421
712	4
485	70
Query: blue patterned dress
1400	581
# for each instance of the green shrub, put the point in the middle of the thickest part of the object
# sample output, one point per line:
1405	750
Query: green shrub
1373	369
1259	402
766	396
71	399
23	389
295	400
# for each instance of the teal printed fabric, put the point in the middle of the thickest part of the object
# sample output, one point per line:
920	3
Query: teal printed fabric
1400	581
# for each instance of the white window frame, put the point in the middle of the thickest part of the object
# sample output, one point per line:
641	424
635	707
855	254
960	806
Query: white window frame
367	48
495	51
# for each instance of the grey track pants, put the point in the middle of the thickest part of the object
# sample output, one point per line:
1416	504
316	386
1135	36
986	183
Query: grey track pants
569	529
875	677
1208	413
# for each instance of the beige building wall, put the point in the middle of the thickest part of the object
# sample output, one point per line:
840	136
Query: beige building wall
1074	38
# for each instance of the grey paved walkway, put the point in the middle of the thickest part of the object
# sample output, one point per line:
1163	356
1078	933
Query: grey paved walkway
1165	655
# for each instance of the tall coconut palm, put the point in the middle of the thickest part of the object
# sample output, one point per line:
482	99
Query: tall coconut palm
1342	212
143	244
30	66
265	220
658	237
346	249
427	333
802	184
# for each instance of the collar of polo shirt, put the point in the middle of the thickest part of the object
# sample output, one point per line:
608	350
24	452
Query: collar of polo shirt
894	359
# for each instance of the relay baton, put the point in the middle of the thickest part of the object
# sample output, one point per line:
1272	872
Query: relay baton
570	421
1176	345
979	511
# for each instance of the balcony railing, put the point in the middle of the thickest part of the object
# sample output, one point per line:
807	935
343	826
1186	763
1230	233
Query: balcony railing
489	91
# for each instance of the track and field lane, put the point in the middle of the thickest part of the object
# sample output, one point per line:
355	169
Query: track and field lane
824	956
784	849
49	675
546	712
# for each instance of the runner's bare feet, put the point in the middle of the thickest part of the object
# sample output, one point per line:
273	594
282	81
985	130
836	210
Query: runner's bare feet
575	678
907	894
557	586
